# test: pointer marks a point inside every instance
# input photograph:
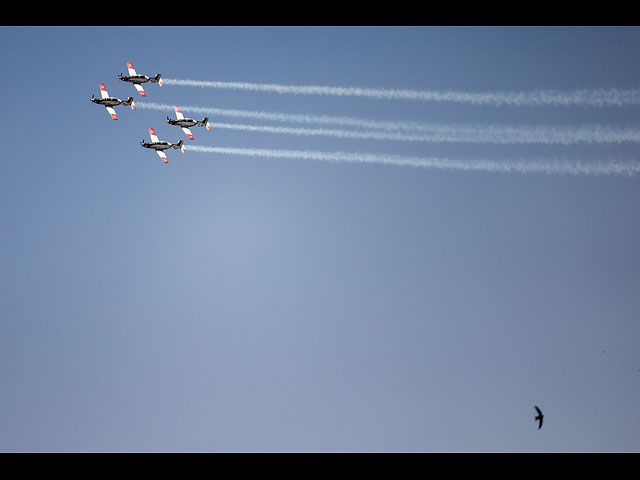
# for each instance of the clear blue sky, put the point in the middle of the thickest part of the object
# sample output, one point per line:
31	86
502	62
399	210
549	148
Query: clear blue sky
245	303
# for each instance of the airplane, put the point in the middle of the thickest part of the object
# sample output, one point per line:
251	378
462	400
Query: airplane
136	79
110	102
159	146
184	123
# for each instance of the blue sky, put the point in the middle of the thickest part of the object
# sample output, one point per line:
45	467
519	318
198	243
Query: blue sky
230	302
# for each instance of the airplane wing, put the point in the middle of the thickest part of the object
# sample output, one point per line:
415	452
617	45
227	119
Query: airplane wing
179	115
112	112
187	132
140	89
152	134
103	91
132	71
163	156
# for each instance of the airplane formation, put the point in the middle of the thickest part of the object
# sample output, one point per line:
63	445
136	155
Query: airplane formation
155	144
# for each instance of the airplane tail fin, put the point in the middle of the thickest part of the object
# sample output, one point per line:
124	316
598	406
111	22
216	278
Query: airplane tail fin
206	123
133	105
159	80
181	145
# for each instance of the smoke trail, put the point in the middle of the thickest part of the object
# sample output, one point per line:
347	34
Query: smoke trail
548	166
584	97
444	134
418	132
293	117
350	134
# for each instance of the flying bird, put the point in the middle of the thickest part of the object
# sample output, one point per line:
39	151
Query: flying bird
539	417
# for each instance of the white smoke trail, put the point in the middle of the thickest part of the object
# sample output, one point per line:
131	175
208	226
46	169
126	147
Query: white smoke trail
418	132
584	97
547	166
293	117
448	134
351	134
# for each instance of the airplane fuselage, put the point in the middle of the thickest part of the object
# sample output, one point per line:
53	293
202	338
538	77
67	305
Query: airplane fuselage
134	78
157	145
108	102
183	122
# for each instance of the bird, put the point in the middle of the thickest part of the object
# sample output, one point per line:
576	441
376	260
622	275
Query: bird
539	417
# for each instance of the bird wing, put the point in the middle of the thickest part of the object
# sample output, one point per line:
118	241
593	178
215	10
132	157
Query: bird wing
539	417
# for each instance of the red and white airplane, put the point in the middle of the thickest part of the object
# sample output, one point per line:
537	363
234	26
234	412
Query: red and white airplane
185	123
159	146
136	79
110	102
